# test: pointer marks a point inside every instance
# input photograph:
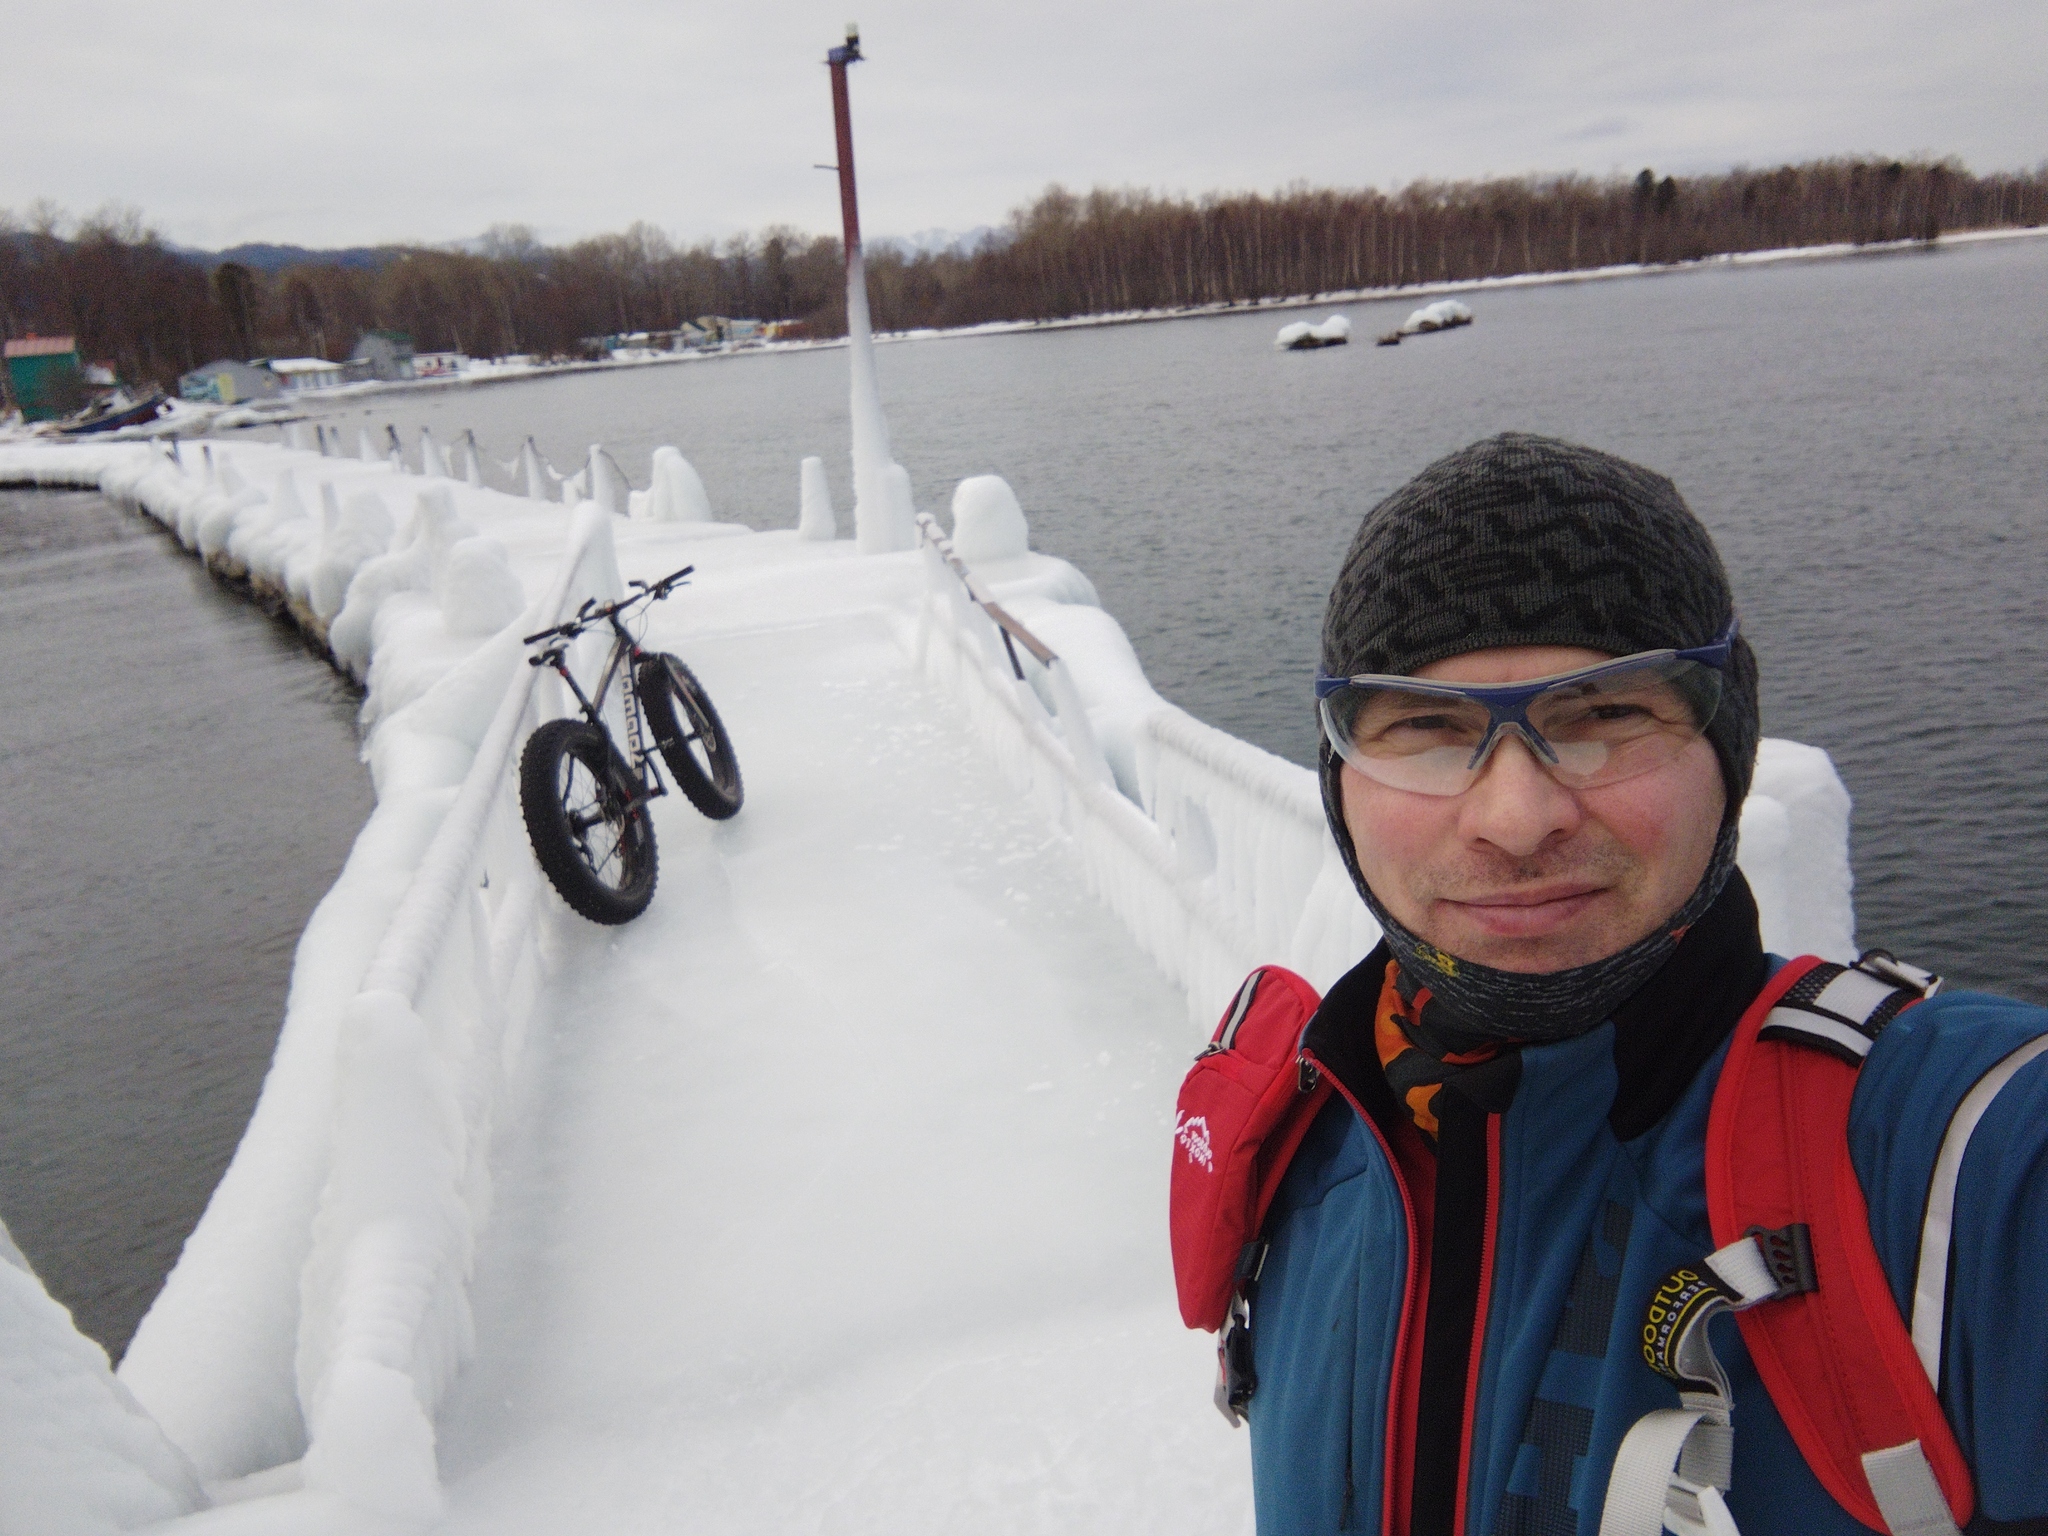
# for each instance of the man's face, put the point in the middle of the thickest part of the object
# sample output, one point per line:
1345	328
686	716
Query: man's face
1520	873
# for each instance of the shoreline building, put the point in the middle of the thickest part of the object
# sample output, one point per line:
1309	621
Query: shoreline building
44	378
302	374
227	382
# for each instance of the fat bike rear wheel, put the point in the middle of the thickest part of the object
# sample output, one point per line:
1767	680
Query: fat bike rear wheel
691	736
595	845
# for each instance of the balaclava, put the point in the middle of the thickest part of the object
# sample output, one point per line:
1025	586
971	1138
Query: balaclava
1524	540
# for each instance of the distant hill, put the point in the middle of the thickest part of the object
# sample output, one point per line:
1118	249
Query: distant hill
278	258
943	242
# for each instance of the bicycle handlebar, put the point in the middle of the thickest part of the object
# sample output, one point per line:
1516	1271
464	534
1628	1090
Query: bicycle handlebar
591	612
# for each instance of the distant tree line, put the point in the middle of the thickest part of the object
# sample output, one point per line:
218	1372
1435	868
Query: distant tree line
155	312
1071	254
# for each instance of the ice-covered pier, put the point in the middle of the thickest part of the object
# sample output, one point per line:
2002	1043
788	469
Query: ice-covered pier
826	1196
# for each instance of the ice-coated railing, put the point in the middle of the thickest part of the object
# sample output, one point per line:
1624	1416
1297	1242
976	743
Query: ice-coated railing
426	1052
1215	853
1250	825
1222	862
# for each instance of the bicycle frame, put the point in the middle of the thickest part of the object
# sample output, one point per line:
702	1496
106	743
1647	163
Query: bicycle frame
619	667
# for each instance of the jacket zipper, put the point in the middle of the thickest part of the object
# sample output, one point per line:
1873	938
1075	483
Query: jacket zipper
1310	1071
1480	1312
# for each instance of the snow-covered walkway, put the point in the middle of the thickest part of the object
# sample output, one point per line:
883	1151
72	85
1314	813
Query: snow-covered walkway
841	1208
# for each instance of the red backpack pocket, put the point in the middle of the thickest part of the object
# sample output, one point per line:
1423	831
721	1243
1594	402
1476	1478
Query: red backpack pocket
1242	1112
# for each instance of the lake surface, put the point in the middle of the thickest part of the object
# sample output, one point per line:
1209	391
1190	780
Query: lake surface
1866	438
182	786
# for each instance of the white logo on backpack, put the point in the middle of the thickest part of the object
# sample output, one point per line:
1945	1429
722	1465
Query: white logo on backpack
1192	1132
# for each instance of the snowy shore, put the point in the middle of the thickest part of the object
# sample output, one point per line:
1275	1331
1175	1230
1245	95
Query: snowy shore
827	1195
189	421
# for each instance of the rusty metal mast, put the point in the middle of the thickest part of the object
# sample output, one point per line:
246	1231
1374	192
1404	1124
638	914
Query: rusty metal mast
842	121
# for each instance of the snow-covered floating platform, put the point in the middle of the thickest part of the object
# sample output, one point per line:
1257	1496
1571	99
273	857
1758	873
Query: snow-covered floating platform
830	1194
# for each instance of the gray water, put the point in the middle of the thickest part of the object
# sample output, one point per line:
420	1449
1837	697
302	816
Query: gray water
181	786
1866	438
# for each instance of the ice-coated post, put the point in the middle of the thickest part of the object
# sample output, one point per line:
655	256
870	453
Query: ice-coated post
431	462
607	487
815	518
530	471
882	512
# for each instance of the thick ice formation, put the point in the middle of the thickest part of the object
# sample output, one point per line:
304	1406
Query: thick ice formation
988	523
540	1227
78	1455
677	494
816	520
883	511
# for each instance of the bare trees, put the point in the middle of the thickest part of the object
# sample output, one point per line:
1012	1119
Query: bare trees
129	299
1110	250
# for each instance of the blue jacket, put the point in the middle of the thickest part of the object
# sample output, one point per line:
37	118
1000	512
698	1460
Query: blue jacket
1593	1192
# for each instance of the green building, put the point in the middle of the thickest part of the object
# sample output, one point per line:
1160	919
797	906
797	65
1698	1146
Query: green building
43	377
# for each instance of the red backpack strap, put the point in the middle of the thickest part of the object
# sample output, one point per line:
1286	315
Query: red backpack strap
1242	1112
1829	1343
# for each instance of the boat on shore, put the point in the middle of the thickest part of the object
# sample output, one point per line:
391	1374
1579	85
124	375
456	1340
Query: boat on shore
114	412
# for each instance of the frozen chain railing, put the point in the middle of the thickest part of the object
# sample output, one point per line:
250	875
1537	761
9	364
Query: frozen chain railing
1225	864
1067	708
601	479
427	1048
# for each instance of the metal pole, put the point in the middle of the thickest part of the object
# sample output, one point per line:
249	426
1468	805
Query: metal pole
842	122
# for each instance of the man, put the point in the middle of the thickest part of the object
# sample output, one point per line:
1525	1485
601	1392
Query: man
1450	1313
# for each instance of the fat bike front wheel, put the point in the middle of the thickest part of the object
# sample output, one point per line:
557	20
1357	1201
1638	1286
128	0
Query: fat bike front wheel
593	841
691	736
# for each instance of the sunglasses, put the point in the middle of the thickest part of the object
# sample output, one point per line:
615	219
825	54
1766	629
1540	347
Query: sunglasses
1588	727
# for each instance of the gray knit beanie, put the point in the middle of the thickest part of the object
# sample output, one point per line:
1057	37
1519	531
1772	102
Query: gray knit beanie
1525	540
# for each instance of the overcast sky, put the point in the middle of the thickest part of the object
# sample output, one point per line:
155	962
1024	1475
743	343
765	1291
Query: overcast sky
366	121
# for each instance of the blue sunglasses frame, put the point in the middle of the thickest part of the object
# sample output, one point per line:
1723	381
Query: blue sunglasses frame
1507	704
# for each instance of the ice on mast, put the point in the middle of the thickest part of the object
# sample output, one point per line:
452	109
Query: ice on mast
884	516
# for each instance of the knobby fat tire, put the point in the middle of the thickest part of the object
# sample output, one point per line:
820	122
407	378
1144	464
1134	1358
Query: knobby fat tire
551	790
677	707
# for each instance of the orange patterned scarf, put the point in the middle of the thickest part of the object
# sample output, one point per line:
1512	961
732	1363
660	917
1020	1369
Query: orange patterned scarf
1413	1071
